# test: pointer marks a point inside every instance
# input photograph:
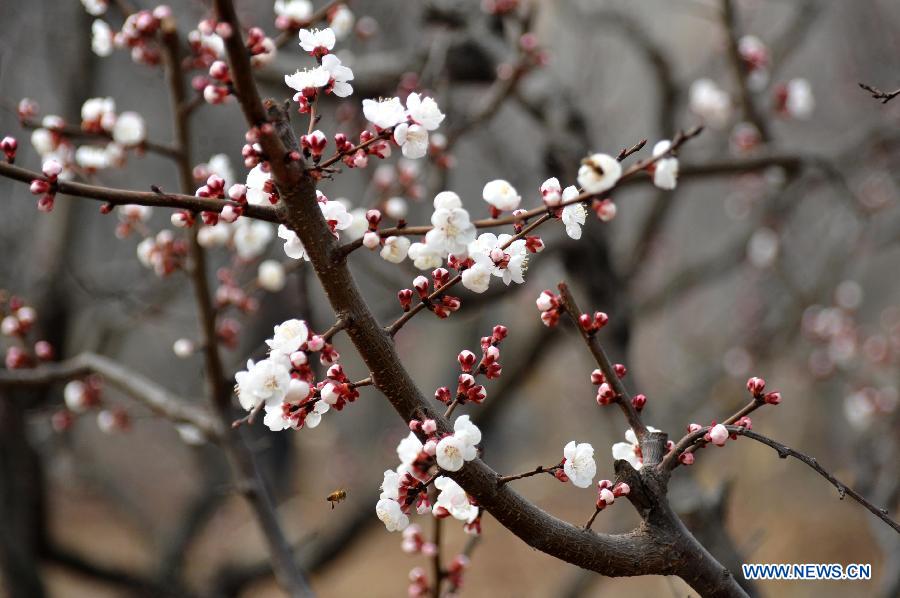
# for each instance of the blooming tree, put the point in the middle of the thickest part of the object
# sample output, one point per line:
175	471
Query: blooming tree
281	196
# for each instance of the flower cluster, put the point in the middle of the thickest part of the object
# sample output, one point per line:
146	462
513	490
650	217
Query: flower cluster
467	391
605	392
46	187
408	484
410	125
284	385
608	492
441	306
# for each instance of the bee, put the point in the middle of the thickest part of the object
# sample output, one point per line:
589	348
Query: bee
336	497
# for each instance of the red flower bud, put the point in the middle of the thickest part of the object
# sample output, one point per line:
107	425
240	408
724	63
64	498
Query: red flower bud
639	401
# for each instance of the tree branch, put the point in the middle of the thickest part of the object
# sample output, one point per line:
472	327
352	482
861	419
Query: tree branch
118	197
149	393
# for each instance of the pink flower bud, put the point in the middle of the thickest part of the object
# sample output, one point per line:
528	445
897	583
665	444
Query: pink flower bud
686	458
620	370
756	386
443	395
466	360
718	435
43	350
621	489
414	425
429	426
315	343
420	283
586	323
639	401
373	217
39	187
405	298
371	240
597	377
605	394
772	398
546	300
499	332
694	428
600	320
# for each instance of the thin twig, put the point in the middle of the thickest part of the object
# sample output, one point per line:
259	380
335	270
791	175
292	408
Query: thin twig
536	471
622	399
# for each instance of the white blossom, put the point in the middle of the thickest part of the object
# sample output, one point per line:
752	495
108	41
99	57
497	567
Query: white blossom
396	208
220	164
92	157
453	231
102	110
270	275
384	113
264	381
579	466
308	79
477	278
501	195
311	40
412	139
101	38
468	432
508	264
183	348
426	256
551	192
190	434
95	8
424	111
75	396
450	453
630	449
341	21
390	485
800	101
665	173
710	102
251	237
598	173
129	129
256	185
409	448
395	249
288	337
453	498
339	75
213	236
390	513
358	226
573	217
297	11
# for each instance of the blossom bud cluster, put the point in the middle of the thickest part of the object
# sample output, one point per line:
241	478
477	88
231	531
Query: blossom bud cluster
608	492
407	486
442	306
757	386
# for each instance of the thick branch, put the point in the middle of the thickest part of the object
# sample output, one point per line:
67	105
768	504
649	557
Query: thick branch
135	385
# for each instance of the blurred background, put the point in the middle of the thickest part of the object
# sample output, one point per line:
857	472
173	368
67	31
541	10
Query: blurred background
777	256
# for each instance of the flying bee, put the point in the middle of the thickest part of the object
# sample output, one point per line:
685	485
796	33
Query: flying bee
336	497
